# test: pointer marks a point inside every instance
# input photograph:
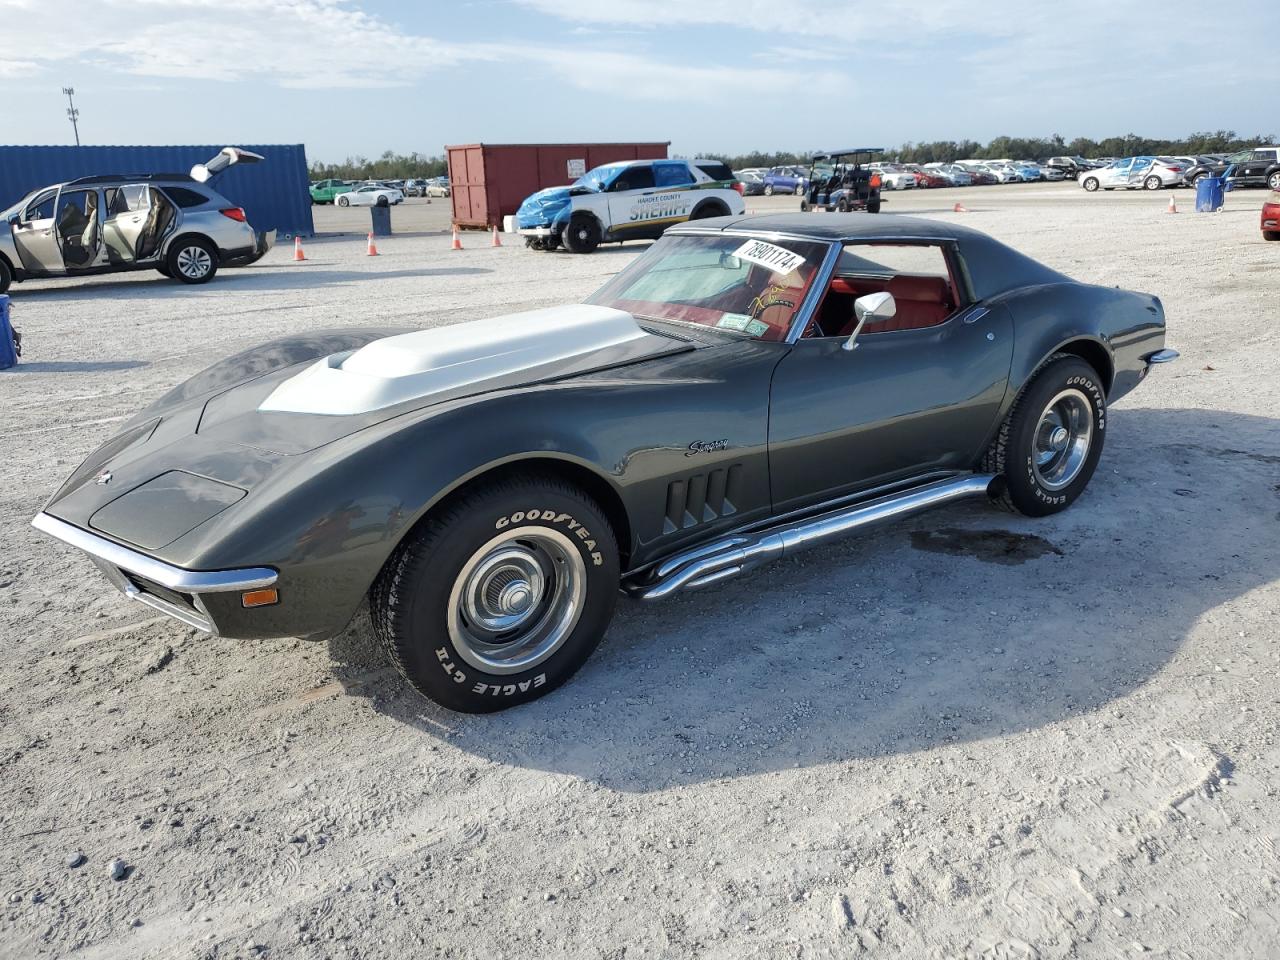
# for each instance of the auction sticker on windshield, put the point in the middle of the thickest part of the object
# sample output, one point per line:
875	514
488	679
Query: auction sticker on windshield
778	259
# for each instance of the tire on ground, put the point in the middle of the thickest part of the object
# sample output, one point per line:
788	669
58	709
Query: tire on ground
183	251
1014	456
6	276
419	603
582	235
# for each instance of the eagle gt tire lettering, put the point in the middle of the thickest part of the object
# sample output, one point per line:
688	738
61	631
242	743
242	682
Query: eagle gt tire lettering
499	595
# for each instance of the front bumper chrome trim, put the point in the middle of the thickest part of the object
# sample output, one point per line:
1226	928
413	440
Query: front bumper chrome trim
166	574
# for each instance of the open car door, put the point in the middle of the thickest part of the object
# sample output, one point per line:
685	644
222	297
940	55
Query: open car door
204	172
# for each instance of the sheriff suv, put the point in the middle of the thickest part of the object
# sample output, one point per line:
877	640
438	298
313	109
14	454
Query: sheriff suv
171	222
628	200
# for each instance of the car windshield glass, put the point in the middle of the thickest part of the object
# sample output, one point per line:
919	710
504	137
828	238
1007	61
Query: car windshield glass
599	178
740	284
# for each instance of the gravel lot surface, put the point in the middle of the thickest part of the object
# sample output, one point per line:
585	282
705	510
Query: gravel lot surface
970	735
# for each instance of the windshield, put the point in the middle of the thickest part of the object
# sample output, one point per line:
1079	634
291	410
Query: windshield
598	179
740	284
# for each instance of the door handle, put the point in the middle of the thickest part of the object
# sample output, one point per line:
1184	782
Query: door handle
976	315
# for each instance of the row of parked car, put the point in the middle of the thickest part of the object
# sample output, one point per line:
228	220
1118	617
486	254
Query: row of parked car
1257	166
358	193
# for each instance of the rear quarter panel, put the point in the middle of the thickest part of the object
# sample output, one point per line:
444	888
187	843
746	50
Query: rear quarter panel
1049	317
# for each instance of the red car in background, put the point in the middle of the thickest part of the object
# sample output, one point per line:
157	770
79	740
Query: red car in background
1271	217
927	178
982	178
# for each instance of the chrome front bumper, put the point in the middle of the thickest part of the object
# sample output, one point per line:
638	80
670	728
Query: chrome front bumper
162	586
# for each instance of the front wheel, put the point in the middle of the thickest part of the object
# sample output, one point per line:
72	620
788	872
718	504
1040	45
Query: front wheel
582	235
1152	183
1273	181
6	276
799	190
500	596
1266	235
1091	184
192	260
344	202
768	189
1048	447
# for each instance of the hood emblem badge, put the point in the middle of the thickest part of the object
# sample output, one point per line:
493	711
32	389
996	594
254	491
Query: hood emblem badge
103	478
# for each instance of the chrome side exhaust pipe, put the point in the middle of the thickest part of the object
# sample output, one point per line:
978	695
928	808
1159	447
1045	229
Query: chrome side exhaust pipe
736	554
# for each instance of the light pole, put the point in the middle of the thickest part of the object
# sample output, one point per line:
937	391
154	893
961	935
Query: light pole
72	113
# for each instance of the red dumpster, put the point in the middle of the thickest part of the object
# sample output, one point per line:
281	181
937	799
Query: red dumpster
489	180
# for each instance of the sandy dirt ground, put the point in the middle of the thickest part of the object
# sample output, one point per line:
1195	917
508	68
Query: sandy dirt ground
970	735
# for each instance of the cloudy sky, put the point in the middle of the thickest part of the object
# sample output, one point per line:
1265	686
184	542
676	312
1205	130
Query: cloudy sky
361	76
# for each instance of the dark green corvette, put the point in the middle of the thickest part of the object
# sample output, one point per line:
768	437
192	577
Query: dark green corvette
746	387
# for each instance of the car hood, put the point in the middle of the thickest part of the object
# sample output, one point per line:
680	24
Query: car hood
254	416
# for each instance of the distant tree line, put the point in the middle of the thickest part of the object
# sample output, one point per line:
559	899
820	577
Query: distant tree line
389	166
1024	148
399	166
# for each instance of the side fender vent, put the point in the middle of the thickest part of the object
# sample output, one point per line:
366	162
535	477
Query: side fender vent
702	497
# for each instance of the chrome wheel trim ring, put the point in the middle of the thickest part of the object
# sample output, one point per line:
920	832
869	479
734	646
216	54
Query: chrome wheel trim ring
194	262
517	599
1063	438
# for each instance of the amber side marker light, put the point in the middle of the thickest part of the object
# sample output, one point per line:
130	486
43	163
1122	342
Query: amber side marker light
259	598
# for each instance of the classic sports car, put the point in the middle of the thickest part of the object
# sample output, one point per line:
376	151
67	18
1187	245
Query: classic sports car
745	387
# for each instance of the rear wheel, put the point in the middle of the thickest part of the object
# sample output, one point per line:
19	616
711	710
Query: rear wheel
873	205
582	235
768	189
192	260
383	202
500	596
1152	183
1273	181
1048	447
1266	235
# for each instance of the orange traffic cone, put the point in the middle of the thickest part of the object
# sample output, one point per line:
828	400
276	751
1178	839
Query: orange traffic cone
497	241
457	241
297	249
1173	207
960	208
373	249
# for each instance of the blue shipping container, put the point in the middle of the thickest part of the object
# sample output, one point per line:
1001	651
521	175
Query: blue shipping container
273	193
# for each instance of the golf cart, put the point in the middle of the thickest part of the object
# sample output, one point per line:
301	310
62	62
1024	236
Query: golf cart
841	181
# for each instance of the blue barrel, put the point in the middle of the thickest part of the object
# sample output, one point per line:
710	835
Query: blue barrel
1210	194
381	220
8	344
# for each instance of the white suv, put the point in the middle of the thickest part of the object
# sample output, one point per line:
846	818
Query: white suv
628	200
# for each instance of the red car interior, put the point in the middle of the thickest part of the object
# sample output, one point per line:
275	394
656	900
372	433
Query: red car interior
922	301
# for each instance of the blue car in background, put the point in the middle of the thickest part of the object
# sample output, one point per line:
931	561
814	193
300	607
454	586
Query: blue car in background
786	180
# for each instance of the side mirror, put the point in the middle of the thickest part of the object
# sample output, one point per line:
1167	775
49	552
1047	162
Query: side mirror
874	307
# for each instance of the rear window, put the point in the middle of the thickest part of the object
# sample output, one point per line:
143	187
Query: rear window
185	198
715	170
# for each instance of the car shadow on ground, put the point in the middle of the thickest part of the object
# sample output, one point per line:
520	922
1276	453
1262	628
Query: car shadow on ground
309	273
961	625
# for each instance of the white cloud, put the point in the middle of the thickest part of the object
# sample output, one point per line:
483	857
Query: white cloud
323	44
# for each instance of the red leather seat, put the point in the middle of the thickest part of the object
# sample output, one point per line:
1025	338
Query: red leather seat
921	302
